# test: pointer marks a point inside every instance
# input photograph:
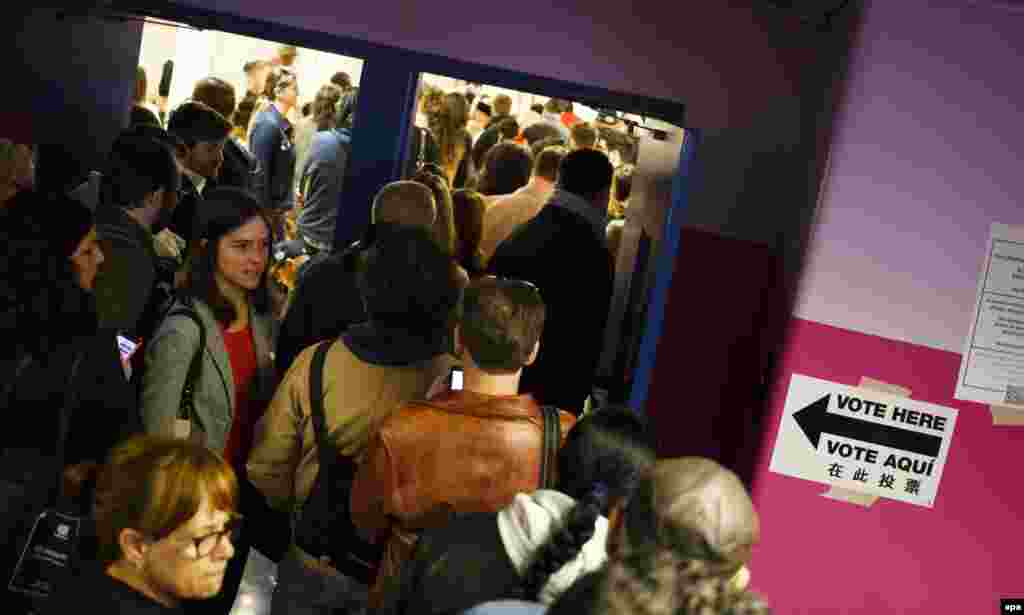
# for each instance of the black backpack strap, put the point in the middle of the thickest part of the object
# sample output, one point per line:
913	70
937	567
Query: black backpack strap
195	367
316	397
549	452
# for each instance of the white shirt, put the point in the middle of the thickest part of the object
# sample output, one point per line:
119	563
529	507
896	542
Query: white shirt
198	180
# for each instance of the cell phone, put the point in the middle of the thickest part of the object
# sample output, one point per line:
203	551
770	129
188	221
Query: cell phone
127	346
455	380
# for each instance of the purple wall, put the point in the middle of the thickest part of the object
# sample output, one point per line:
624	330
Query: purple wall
926	155
715	59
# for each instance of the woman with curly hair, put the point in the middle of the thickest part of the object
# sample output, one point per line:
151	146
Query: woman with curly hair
543	541
681	548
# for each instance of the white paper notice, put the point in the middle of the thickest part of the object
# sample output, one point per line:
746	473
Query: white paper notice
992	367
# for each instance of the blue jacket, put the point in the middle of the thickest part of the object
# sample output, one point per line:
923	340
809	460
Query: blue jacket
272	145
322	177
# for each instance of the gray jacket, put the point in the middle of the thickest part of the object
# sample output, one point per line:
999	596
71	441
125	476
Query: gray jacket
168	356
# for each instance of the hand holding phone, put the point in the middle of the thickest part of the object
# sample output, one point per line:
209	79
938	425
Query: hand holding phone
127	348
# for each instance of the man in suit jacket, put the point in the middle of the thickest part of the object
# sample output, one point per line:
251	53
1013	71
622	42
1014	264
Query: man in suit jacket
203	133
564	252
240	168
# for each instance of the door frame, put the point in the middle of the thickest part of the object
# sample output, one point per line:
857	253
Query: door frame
409	65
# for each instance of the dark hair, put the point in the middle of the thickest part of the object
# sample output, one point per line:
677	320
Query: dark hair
468	208
585	172
408	281
307	109
136	167
543	144
602	460
195	122
553	105
46	307
325	113
244	111
347	109
217	94
342	80
484	107
224	210
537	108
547	161
508	127
149	131
507	168
584	135
502	321
282	76
539	131
58	168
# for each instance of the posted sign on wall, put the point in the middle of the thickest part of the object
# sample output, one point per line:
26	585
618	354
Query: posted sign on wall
884	445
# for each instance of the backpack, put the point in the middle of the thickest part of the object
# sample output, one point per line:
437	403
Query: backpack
324	525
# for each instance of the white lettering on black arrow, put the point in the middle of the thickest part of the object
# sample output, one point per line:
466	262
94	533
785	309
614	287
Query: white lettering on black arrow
815	420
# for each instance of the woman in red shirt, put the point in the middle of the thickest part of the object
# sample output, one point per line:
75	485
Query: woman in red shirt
226	288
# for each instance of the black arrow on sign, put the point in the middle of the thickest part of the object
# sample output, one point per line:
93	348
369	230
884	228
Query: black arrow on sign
815	420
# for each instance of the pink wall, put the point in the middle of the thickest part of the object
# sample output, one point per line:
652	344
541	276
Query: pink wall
926	155
821	556
715	57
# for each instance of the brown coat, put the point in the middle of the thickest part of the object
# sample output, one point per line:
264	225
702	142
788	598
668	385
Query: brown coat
460	452
358	397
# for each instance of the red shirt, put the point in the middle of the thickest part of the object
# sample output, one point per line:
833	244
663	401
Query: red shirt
242	354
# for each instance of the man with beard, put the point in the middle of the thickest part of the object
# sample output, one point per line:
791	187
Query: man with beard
203	134
139	193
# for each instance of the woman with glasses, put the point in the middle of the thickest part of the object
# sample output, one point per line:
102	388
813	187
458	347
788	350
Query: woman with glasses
165	521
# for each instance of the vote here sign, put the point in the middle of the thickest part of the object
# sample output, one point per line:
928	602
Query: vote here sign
888	446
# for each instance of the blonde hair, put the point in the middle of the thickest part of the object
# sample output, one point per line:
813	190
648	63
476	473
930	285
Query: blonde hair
688	533
155	485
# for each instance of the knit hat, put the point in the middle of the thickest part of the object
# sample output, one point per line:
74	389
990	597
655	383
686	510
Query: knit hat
527	524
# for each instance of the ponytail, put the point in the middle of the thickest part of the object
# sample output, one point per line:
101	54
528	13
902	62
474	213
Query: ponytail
564	544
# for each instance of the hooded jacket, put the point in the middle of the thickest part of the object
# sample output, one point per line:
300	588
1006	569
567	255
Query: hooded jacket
482	557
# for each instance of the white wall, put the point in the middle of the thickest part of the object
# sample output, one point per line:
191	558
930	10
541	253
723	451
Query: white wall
218	54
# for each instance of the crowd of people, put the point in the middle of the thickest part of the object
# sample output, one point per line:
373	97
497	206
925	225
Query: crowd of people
189	408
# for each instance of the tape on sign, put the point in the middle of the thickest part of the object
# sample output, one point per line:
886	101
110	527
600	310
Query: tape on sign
856	497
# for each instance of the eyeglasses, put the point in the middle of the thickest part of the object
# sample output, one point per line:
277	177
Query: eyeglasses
514	283
206	544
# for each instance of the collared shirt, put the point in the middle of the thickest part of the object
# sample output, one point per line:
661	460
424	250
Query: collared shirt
597	218
198	180
506	212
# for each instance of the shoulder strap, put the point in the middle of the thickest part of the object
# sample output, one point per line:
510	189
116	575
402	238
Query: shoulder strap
316	397
196	365
552	439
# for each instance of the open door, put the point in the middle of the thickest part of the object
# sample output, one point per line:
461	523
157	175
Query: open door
636	265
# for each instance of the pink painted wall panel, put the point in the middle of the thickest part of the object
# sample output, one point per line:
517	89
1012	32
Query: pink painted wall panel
821	556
